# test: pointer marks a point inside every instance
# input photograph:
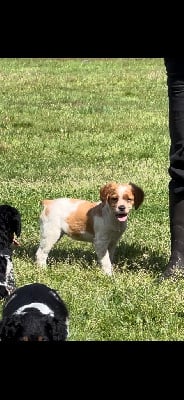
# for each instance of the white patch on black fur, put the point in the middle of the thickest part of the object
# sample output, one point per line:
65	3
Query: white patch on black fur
10	225
43	308
67	326
10	278
55	295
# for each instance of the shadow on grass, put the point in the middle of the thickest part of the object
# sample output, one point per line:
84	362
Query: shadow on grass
59	255
129	257
134	258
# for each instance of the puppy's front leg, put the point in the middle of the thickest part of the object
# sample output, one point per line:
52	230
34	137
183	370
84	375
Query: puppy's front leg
101	248
112	248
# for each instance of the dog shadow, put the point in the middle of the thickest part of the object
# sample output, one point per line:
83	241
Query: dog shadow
134	258
129	257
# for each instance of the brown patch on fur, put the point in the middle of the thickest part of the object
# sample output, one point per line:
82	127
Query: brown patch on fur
128	194
108	190
81	220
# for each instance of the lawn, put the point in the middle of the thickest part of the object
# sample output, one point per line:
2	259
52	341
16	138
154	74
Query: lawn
67	127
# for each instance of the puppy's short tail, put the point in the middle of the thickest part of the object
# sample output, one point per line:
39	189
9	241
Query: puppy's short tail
45	202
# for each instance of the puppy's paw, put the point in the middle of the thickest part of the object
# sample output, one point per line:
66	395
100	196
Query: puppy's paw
107	271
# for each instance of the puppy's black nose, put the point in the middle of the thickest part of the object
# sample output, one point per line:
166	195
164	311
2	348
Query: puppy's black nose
121	208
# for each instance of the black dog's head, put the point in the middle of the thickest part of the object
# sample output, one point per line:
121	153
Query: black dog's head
10	223
32	326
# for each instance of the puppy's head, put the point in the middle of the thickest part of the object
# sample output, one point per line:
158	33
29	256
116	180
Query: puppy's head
32	327
121	198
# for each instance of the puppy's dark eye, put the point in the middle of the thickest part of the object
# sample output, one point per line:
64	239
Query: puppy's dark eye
42	339
114	199
24	339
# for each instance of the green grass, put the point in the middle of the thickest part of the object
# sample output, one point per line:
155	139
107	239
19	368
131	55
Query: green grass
67	127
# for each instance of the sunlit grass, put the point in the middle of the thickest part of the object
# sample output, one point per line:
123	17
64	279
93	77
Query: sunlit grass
67	127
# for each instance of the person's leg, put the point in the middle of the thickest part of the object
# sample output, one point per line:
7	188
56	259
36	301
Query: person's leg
175	82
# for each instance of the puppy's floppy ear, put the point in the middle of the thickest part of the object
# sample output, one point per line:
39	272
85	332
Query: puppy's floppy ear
57	328
3	292
105	191
10	328
138	195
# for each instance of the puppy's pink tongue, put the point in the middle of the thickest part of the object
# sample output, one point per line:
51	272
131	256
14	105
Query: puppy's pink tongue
122	218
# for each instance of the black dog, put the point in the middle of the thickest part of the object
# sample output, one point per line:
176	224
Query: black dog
34	312
10	224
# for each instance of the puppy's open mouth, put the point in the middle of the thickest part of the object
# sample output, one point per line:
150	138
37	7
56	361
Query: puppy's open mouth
121	217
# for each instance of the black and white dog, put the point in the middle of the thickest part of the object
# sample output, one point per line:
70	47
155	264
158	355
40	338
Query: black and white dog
34	312
10	225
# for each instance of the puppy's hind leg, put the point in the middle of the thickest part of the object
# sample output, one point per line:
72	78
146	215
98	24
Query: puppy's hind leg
49	236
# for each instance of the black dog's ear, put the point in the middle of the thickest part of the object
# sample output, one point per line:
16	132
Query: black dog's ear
3	292
1	323
16	222
10	329
57	329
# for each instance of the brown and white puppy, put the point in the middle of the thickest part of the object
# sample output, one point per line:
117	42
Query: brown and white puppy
101	223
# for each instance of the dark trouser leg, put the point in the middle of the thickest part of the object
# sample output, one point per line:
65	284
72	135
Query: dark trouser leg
175	81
